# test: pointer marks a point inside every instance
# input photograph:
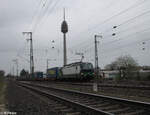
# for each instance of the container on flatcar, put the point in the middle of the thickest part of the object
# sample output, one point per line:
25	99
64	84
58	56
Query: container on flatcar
38	74
53	73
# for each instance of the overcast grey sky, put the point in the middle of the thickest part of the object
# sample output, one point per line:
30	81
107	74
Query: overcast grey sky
85	19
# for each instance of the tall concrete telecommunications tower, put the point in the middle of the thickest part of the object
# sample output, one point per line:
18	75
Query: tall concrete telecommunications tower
64	30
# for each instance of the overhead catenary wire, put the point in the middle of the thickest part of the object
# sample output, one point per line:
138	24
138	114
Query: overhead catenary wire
37	13
104	56
86	45
126	30
115	41
118	49
132	34
50	7
127	21
124	46
120	13
83	46
139	2
44	7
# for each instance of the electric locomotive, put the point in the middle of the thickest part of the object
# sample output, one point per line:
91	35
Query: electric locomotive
78	70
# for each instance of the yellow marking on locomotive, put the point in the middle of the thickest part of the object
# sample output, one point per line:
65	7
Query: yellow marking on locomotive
51	72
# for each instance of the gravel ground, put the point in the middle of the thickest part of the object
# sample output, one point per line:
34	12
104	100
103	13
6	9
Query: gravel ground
25	103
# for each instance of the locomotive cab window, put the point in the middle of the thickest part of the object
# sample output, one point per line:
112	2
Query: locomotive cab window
86	66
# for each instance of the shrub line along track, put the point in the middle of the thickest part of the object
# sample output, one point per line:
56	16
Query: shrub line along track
92	103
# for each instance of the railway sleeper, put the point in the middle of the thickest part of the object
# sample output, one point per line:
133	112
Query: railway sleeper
92	104
73	113
119	110
139	112
111	107
60	107
106	104
67	110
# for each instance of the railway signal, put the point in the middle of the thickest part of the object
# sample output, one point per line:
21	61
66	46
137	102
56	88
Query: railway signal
16	62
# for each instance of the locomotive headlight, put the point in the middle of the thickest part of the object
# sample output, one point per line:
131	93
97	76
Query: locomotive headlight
82	73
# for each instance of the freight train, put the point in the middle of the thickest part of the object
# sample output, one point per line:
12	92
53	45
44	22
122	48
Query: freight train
73	71
83	71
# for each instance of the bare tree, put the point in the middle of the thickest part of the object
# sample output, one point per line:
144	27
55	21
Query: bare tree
2	72
126	66
24	73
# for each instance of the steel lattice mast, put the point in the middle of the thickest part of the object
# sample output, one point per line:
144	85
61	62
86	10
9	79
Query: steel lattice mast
31	53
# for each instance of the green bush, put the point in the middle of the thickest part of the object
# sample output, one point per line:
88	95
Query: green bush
1	82
118	78
148	77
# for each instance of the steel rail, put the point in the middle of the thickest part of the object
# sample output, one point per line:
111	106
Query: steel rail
125	101
80	107
108	85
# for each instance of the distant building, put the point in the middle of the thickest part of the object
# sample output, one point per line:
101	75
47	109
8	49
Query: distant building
109	73
113	73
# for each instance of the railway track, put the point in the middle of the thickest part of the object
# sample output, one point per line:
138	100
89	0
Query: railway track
141	87
65	106
91	103
125	91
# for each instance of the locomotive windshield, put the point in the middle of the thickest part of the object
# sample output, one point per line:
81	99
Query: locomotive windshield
86	66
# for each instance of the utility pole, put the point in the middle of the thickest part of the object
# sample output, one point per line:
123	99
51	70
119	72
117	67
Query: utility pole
64	30
31	53
16	62
47	67
95	84
47	63
13	71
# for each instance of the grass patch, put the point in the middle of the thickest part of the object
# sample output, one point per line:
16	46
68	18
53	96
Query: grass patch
2	93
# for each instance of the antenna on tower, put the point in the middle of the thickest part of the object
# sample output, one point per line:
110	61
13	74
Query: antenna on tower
64	13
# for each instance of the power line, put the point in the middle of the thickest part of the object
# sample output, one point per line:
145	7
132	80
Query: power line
135	33
123	39
131	7
110	18
121	47
106	8
40	16
37	14
126	30
128	21
47	10
81	44
142	14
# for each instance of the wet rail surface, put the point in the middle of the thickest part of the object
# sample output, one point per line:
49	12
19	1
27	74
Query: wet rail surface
105	104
